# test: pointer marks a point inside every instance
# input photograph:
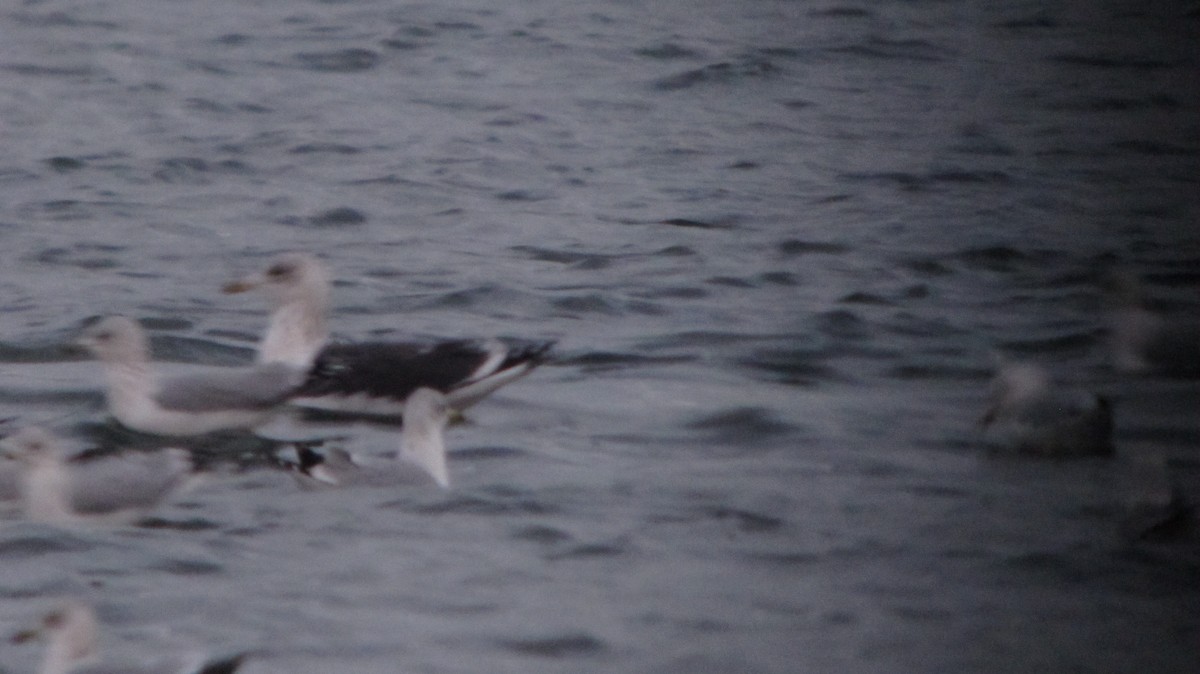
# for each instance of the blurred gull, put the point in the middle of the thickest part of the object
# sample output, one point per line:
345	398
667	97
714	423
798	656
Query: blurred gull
371	377
213	399
421	459
72	634
1029	415
1142	340
112	489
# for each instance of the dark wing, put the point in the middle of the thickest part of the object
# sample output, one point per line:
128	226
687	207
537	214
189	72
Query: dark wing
393	370
250	388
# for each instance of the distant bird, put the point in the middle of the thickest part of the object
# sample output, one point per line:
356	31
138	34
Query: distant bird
113	489
72	634
421	459
1142	340
372	377
1029	415
212	399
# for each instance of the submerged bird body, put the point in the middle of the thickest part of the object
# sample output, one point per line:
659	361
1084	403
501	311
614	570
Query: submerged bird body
72	633
374	377
212	400
421	459
115	488
1029	415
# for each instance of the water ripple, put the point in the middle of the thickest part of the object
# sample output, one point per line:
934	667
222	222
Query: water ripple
23	547
569	645
726	72
340	61
740	424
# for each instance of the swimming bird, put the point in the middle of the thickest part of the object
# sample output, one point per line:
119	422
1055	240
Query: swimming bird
118	488
213	399
421	459
72	632
372	377
1029	415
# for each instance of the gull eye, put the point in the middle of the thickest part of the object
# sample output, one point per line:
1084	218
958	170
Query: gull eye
280	270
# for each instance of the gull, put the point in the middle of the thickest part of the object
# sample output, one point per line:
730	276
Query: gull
118	488
1142	340
71	632
1029	415
421	459
371	377
213	399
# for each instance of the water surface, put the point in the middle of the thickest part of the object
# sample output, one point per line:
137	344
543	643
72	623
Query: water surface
777	242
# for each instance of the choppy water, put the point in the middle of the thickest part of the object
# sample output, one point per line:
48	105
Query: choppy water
776	240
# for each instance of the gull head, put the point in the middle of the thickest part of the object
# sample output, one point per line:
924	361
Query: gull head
1014	385
290	277
32	445
70	630
421	442
426	411
116	339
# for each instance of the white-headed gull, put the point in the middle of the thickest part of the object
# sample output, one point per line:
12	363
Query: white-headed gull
372	377
72	635
421	458
1029	415
117	488
212	399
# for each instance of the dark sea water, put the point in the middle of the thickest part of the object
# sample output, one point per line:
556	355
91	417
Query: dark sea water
777	242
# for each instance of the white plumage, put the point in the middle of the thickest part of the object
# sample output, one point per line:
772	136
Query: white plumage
421	458
212	399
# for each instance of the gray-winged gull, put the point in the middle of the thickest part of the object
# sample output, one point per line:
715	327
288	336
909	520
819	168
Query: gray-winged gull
216	398
117	488
1029	415
372	377
72	635
421	458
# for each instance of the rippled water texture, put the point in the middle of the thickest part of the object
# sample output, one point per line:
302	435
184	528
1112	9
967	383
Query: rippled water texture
777	242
